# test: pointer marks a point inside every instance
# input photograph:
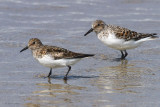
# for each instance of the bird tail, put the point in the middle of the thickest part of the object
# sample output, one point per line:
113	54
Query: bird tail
88	55
153	36
80	55
147	37
84	55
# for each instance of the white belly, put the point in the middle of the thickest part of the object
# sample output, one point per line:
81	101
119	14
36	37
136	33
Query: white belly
52	63
118	44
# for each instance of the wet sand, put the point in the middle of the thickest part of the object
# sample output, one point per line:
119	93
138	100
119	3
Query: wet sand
93	82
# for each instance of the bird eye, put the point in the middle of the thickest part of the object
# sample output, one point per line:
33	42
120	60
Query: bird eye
33	43
98	24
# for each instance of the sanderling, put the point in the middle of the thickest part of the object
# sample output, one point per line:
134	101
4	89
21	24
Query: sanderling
52	56
119	38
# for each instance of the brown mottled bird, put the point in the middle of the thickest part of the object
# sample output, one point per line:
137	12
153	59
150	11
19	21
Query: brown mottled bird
119	38
52	56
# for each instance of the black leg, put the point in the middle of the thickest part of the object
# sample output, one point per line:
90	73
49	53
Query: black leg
69	68
123	56
50	72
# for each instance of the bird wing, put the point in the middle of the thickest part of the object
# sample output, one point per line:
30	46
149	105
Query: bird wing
59	53
124	33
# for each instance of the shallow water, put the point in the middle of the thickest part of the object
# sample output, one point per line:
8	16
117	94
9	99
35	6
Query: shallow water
98	81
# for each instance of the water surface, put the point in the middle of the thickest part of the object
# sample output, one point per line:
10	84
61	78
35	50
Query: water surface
98	81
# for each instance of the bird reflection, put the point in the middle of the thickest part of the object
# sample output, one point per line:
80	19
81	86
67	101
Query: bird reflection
54	94
119	77
49	81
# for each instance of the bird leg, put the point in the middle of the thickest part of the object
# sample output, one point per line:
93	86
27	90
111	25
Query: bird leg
123	56
69	68
50	72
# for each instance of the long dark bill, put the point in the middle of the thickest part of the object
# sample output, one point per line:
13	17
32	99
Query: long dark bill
24	49
91	30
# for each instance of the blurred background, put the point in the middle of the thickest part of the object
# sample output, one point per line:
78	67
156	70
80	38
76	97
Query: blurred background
93	82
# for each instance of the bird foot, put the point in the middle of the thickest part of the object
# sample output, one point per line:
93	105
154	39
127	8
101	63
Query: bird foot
65	78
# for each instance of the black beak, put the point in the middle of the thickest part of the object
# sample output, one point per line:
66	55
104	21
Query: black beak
24	49
91	30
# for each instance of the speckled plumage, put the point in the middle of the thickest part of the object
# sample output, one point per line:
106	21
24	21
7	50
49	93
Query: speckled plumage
52	56
120	32
39	50
56	52
119	38
124	33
